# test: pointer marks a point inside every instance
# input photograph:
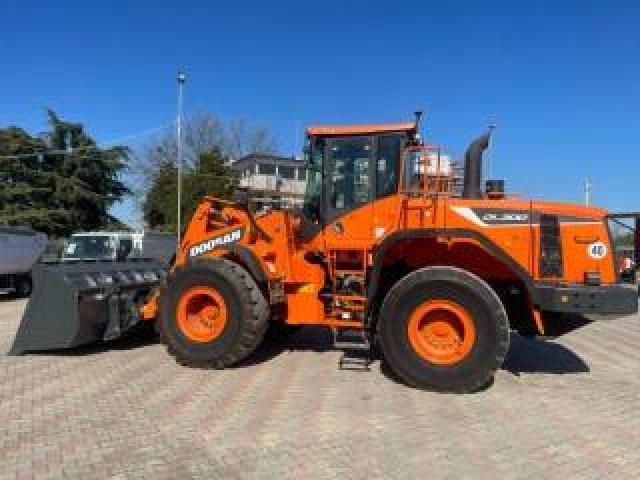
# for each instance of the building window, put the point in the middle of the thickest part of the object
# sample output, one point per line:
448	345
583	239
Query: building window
287	172
302	174
266	169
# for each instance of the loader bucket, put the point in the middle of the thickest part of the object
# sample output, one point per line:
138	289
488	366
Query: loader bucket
78	303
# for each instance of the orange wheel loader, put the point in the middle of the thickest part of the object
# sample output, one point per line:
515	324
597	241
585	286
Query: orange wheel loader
388	250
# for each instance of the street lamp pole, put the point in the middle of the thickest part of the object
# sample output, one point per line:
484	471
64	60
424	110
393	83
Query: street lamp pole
182	77
587	192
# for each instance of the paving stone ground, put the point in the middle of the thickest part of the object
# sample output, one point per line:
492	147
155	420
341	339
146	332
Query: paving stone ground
564	408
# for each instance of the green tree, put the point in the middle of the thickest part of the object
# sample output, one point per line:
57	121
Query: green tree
59	182
159	205
208	176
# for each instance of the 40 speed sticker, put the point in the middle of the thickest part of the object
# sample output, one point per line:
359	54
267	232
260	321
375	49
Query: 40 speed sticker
597	250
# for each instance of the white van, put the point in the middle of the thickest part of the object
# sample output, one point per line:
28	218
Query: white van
120	246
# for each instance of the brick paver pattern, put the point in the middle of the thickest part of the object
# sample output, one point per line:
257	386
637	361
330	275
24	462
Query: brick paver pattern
564	408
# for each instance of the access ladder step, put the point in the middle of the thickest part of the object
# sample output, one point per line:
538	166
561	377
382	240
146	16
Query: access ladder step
350	339
350	361
350	298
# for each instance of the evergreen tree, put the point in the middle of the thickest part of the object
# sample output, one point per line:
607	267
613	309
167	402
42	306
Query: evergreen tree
159	205
61	182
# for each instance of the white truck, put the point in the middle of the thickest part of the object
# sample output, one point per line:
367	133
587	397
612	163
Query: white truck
20	248
120	246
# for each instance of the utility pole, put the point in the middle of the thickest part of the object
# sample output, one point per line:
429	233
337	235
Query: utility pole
587	192
182	77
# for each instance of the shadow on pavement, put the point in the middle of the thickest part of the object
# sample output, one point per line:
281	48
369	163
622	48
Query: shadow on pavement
537	355
316	339
9	298
137	339
308	338
560	324
526	355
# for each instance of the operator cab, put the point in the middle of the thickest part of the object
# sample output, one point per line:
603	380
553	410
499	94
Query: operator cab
351	166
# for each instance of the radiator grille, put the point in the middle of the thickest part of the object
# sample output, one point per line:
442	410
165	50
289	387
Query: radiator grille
550	247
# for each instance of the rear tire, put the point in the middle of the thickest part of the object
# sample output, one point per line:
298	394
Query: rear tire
222	338
443	329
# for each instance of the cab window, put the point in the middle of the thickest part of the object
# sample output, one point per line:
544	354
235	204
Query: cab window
313	193
349	164
415	169
387	164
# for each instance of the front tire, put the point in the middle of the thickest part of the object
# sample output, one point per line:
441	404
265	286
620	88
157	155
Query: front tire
443	329
212	313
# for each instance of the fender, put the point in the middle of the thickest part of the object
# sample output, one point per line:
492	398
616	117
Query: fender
246	258
486	243
250	261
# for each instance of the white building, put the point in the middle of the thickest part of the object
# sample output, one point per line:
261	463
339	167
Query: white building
271	176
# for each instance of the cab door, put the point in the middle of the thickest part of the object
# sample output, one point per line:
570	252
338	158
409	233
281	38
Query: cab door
386	207
348	209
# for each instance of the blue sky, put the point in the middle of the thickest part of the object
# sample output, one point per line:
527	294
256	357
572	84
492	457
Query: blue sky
560	78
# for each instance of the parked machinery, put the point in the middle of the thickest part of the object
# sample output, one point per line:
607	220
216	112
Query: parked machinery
120	245
383	251
20	248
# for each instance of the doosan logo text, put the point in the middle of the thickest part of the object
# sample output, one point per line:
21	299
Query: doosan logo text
212	243
505	217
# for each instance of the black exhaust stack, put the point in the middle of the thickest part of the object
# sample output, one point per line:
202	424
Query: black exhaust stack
473	166
418	120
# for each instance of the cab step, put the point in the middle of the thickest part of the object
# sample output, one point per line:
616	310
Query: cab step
350	339
355	360
355	346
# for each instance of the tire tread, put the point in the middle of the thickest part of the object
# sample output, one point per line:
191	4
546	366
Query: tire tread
467	279
253	328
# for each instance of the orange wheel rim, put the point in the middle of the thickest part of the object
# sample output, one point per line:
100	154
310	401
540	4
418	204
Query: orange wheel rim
441	331
202	314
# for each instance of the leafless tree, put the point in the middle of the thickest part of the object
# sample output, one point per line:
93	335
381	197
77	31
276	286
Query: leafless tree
242	139
202	133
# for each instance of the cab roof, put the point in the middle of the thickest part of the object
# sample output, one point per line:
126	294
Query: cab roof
362	129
